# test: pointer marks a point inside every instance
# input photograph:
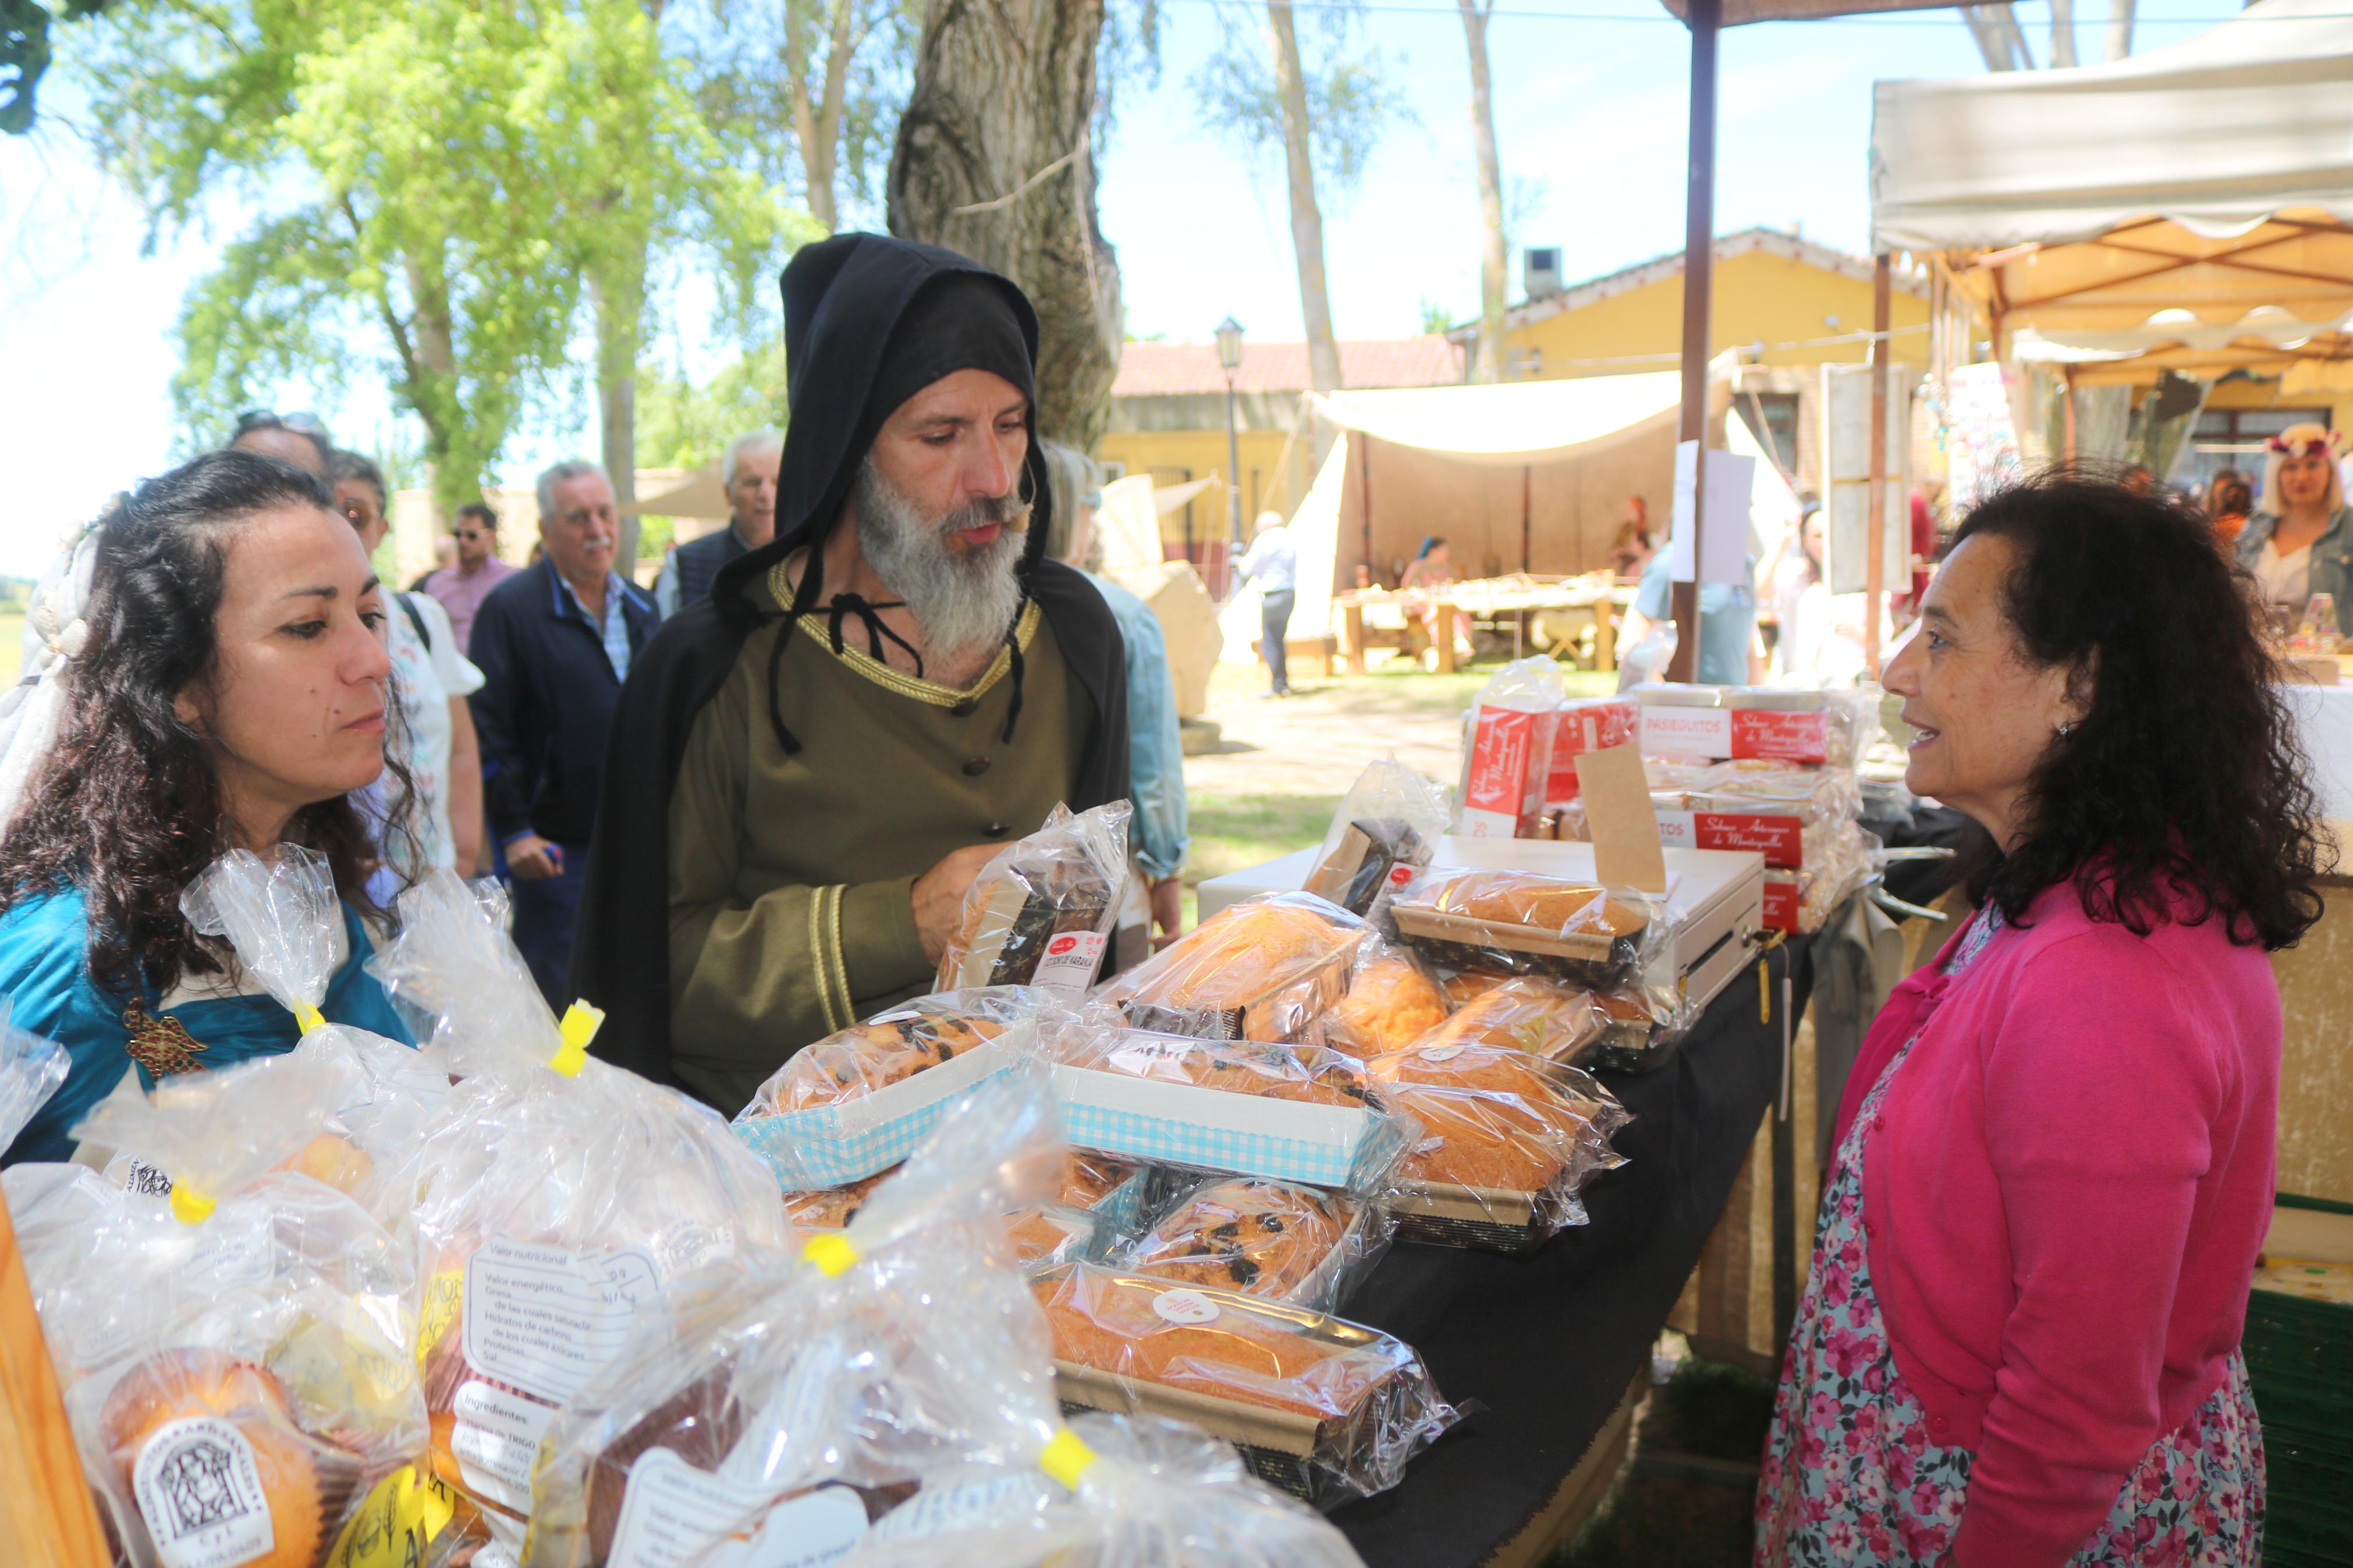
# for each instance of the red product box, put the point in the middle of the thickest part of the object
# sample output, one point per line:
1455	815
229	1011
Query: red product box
1502	793
1781	903
1591	725
1788	737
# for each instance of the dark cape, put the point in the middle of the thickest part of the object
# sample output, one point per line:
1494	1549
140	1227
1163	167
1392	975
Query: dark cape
848	367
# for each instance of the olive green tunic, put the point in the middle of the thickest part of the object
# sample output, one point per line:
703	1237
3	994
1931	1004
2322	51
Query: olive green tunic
790	906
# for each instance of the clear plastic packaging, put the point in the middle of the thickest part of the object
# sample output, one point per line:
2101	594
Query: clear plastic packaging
1392	1000
853	1104
1328	1408
1387	828
1299	1113
1645	660
1275	1240
1508	1142
1507	750
1629	1028
1716	723
1524	922
1586	724
1264	968
31	1068
797	1399
1039	913
553	1196
234	1356
1152	1493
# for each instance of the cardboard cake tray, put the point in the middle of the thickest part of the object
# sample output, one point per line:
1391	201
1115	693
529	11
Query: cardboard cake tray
1279	1445
835	1145
1219	1130
1715	899
1483	1219
1585	957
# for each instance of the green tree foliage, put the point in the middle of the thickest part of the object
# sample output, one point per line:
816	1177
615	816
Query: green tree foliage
682	425
431	191
1353	95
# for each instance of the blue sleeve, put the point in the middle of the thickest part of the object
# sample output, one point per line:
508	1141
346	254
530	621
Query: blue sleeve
1156	748
1653	598
355	997
46	978
666	590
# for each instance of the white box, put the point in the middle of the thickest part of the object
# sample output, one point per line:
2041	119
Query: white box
1715	897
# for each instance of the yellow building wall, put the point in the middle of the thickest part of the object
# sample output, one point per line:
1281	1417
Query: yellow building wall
2247	394
1757	298
1176	457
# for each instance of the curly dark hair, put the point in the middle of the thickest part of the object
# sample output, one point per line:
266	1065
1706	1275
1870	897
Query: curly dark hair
127	807
2184	778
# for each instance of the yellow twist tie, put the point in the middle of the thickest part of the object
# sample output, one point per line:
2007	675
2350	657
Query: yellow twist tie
307	1018
1066	1458
190	1207
579	1026
831	1252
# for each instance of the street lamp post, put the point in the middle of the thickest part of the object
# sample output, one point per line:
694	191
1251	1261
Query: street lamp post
1230	356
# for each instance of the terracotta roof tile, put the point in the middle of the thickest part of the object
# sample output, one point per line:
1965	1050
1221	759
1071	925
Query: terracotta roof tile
1162	369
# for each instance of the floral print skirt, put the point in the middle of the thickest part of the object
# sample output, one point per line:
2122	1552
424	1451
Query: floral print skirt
1849	1475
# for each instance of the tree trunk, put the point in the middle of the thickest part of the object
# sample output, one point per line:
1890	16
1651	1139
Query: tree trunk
1494	268
817	118
1997	35
2063	33
1306	218
618	295
428	358
2120	26
993	160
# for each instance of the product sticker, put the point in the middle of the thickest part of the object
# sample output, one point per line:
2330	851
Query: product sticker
689	1246
1400	874
1670	731
1439	1053
1069	961
947	1507
1184	1307
200	1493
139	1176
496	1437
545	1319
672	1512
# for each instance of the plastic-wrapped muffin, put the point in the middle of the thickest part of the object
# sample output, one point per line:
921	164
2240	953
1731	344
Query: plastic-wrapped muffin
1263	968
1391	1002
1263	1239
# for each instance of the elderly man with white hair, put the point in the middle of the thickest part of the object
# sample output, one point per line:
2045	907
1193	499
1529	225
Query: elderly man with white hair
554	642
748	473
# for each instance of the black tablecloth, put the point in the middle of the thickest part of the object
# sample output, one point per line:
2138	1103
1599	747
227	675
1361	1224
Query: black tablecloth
1548	1344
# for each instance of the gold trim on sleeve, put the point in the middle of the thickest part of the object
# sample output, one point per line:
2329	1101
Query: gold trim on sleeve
816	958
840	968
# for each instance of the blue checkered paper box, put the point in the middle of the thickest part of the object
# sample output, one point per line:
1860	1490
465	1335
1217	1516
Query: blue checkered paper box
1219	1130
833	1146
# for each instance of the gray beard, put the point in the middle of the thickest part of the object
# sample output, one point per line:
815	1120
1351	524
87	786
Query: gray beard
962	602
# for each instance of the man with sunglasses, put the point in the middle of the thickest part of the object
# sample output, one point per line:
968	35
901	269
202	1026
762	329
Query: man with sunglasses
460	589
300	440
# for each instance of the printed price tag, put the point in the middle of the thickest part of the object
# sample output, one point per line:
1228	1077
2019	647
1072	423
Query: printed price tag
1069	960
1184	1307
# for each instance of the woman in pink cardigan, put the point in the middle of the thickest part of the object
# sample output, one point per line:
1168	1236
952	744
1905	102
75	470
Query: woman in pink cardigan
2020	1342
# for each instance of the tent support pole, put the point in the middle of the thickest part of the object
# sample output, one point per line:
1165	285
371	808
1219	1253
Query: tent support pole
1704	16
1365	498
2068	410
1874	550
1527	514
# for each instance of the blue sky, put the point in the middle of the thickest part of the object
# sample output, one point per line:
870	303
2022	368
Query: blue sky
1591	121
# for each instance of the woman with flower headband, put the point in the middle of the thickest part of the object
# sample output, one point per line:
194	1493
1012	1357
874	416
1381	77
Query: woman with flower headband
2299	542
224	686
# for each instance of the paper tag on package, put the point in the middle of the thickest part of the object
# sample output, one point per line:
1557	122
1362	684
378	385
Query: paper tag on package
1069	961
1582	727
1780	840
1510	754
1720	734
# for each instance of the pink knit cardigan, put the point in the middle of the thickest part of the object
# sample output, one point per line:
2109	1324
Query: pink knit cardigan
2063	1201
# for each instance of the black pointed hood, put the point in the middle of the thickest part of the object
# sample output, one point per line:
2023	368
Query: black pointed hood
870	321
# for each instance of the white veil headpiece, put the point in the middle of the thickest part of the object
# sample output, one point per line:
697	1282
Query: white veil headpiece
33	710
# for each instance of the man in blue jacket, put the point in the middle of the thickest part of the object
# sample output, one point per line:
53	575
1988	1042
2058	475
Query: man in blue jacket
554	642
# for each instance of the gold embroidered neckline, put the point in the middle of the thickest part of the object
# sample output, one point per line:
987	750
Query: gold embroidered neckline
874	670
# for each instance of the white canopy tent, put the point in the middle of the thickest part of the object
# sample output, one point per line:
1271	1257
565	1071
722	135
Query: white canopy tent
1554	458
2190	208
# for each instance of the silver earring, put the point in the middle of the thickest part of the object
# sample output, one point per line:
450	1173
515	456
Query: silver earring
2066	727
